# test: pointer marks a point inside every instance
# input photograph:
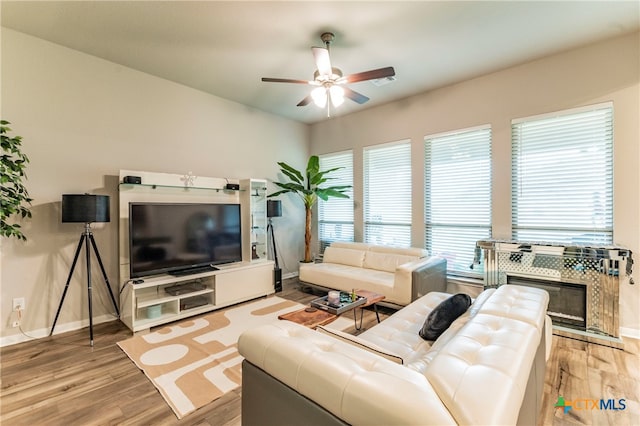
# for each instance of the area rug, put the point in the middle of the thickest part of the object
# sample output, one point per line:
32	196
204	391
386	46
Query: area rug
196	361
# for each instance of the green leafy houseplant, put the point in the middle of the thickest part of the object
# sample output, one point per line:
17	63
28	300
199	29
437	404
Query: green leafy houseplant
309	188
14	194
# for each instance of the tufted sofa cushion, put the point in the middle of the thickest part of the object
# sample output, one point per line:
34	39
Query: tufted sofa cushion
399	333
482	354
473	370
420	363
518	302
341	378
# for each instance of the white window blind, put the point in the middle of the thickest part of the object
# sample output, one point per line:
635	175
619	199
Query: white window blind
387	194
335	216
562	177
457	195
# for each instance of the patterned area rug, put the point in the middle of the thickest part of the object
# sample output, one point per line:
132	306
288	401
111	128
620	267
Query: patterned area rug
196	361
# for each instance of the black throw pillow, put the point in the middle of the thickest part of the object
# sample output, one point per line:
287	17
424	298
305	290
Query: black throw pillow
443	315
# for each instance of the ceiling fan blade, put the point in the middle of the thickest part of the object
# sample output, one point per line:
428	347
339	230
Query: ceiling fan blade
355	96
305	101
323	63
370	75
285	80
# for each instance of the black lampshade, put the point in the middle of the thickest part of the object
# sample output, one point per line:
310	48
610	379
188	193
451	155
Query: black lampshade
85	208
274	208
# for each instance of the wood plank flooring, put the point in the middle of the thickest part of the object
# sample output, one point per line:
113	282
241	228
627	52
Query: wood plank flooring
60	380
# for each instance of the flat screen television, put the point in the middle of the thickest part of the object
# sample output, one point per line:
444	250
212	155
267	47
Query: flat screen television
182	238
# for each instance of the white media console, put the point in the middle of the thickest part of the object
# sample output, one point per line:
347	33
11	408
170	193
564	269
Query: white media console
156	300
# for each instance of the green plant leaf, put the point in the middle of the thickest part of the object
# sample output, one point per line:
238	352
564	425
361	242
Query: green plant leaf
313	165
290	186
330	192
290	172
14	193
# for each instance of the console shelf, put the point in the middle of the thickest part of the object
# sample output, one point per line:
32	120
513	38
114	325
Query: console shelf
147	304
144	299
183	187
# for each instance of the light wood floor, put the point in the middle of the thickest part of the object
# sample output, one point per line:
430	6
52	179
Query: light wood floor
60	380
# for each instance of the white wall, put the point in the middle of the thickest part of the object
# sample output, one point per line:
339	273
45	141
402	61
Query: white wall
83	119
607	71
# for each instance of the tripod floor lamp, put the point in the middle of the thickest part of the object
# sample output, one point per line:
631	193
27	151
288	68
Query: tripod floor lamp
85	208
274	209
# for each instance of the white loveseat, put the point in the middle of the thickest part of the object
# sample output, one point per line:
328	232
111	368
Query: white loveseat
400	274
486	369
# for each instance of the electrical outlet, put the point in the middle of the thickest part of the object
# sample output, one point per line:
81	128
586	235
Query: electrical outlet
18	305
14	318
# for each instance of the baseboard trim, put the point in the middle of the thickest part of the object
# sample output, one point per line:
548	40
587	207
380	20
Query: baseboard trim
44	332
633	333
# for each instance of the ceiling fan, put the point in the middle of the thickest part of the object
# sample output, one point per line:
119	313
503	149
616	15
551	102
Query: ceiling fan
330	82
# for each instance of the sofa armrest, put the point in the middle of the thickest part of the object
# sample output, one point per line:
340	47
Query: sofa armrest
427	274
344	380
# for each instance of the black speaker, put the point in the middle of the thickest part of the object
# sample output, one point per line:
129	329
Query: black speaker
274	208
277	279
85	208
132	179
232	186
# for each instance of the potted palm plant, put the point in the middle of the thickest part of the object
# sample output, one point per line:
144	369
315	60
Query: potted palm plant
14	194
308	187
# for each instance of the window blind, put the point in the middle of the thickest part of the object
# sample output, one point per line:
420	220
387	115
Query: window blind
335	216
562	177
457	195
387	194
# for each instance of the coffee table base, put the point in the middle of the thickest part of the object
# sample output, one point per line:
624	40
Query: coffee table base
309	319
372	299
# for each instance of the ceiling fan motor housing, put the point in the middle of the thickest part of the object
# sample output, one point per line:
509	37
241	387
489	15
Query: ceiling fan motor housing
336	73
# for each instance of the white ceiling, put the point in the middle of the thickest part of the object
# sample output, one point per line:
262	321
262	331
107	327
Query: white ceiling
224	48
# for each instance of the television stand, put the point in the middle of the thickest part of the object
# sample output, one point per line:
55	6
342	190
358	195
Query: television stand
166	298
191	271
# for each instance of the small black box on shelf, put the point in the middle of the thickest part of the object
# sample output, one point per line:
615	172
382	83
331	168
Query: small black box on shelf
193	302
132	179
232	186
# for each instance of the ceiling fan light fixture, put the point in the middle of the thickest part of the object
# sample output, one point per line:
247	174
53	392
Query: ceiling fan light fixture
336	93
319	96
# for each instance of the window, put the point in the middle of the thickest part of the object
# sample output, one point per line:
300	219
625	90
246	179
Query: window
387	194
562	176
335	216
457	195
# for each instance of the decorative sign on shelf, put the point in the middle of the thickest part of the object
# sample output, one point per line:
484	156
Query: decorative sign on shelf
188	179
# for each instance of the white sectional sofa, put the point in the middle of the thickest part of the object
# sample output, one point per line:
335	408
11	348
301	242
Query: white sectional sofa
400	274
486	369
